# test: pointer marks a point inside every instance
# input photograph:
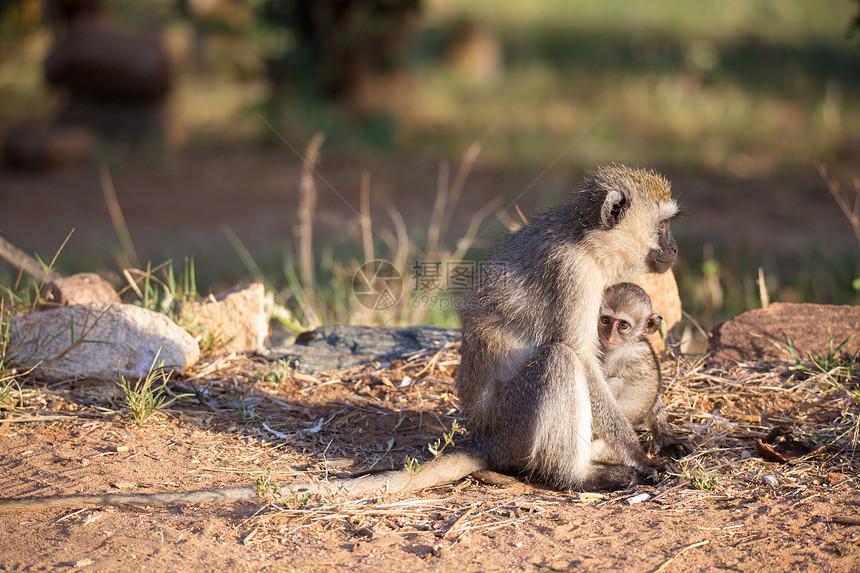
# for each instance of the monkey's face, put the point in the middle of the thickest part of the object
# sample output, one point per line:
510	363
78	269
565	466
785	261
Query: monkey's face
625	314
615	329
661	259
632	233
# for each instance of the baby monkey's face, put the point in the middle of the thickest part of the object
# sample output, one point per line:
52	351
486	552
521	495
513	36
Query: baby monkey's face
624	317
615	330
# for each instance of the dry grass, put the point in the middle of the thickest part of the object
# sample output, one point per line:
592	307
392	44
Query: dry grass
377	415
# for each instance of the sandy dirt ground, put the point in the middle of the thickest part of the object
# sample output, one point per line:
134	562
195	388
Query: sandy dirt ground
726	508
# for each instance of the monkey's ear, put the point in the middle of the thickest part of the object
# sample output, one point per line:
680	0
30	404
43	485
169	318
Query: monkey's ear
614	206
652	324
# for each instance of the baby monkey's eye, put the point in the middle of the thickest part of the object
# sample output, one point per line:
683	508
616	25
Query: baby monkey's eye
623	325
604	320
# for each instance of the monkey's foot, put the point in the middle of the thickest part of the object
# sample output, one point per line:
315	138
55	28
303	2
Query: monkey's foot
670	447
612	477
648	476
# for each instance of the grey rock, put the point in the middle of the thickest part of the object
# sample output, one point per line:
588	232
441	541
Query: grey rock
762	335
99	340
340	347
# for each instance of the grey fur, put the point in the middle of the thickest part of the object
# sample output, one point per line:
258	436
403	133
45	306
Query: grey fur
531	383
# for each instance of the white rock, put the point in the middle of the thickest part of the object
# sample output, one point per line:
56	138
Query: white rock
99	340
770	480
638	498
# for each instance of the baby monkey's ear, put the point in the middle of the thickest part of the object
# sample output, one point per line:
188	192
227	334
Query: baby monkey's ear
653	323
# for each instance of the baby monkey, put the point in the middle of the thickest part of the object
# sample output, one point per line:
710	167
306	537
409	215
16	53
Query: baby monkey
630	364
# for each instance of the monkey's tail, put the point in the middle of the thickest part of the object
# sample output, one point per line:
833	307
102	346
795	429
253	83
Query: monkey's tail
447	468
220	495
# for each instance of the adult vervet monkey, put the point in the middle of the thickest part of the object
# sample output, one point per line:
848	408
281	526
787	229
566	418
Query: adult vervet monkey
531	383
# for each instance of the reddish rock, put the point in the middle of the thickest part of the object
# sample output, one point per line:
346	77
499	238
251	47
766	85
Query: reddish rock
665	300
235	317
82	288
762	335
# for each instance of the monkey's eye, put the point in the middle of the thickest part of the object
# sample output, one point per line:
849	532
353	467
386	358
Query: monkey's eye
623	326
604	320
